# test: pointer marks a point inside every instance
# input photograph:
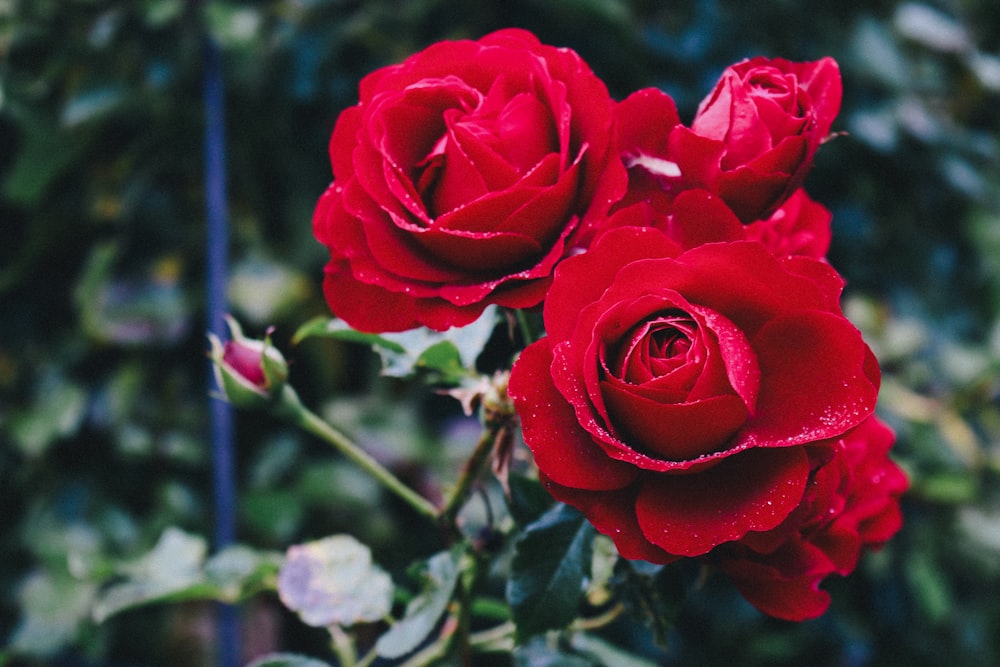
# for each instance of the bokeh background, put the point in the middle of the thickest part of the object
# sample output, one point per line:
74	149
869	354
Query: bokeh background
103	378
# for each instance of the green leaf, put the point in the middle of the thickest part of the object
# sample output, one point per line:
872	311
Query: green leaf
286	660
239	571
528	499
46	155
605	653
326	327
90	104
57	412
551	565
537	652
174	565
424	611
176	569
655	592
54	608
232	25
159	13
451	354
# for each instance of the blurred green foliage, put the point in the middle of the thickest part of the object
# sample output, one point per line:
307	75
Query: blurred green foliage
103	378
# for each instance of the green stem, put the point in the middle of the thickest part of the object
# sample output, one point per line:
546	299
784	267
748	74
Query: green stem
473	468
524	326
343	647
291	408
499	638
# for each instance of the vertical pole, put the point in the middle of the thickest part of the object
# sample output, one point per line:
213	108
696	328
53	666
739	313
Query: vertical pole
217	257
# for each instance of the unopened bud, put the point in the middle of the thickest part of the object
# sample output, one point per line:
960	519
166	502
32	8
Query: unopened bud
249	372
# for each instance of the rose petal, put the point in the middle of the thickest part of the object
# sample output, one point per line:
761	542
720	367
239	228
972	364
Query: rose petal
698	217
613	514
690	514
678	431
793	596
584	277
815	380
562	449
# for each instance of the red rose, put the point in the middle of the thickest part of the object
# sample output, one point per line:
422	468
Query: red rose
752	141
851	503
461	178
695	217
676	393
800	226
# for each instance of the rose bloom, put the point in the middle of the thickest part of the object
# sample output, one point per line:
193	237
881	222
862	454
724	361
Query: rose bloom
676	394
461	178
851	503
752	141
801	226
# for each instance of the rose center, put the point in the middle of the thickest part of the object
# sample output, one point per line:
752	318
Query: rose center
768	85
657	347
485	149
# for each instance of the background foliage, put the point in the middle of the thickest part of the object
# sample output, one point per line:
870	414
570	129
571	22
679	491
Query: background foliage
102	352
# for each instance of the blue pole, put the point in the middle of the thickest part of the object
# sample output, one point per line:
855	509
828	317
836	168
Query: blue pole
217	258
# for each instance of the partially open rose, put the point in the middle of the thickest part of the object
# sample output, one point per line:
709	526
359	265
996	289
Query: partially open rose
461	178
752	141
676	393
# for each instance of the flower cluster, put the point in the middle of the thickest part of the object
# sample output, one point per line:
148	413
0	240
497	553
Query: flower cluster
699	392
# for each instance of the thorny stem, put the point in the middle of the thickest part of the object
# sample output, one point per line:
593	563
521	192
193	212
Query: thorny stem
292	409
498	421
473	468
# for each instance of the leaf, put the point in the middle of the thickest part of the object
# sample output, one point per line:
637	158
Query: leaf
176	569
239	571
90	104
333	581
46	156
451	354
174	565
540	653
655	592
551	564
326	327
605	653
57	411
233	26
528	499
424	611
286	660
54	608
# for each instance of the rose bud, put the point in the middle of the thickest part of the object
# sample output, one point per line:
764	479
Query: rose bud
769	116
752	141
249	372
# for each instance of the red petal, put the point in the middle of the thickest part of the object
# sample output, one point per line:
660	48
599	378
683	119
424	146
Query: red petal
613	514
645	119
815	380
678	431
794	596
581	279
698	217
691	514
563	450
